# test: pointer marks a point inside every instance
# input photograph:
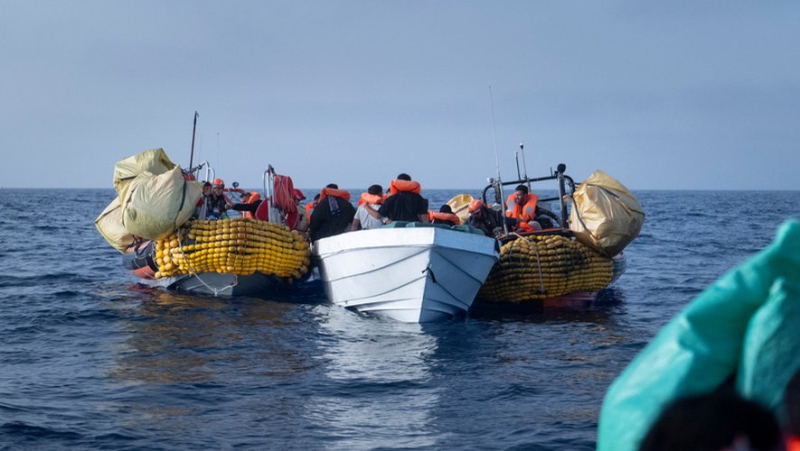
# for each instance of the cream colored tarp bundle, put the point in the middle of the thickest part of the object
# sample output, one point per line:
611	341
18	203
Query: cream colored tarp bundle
460	206
156	205
605	215
154	161
109	224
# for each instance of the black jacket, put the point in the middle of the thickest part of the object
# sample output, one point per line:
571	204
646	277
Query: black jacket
332	216
404	206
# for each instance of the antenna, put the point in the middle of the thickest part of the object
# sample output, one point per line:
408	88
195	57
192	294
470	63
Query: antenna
499	185
524	164
194	129
494	132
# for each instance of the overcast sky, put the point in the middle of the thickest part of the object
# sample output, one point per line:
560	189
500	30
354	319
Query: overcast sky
660	95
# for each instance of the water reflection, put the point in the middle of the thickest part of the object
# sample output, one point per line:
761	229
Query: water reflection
177	338
380	379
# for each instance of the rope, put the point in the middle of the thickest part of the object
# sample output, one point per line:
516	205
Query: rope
193	272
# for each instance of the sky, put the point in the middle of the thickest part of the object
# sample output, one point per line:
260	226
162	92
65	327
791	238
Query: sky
660	95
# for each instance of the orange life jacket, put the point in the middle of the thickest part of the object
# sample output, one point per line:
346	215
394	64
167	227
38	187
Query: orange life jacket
525	212
395	186
340	193
309	209
371	199
793	443
450	217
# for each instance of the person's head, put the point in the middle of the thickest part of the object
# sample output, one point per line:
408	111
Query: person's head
298	196
476	207
332	186
404	176
245	197
219	187
316	198
206	188
521	193
375	190
713	421
445	209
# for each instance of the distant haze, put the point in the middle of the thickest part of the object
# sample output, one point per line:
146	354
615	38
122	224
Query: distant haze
660	95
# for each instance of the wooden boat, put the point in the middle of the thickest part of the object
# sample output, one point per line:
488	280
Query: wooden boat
411	274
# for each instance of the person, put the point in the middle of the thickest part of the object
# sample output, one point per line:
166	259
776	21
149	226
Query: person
404	202
216	202
367	216
523	206
303	219
444	216
200	207
713	421
248	205
312	205
489	221
333	214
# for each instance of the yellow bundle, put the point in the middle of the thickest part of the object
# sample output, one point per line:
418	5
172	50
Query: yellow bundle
541	267
233	246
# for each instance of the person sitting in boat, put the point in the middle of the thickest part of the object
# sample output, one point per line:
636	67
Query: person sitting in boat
248	205
489	221
444	216
404	202
216	202
334	213
523	207
367	216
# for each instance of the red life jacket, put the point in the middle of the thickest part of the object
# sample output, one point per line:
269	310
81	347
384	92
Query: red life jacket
450	217
395	186
525	212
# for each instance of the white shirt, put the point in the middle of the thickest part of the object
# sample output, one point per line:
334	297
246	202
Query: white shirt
368	221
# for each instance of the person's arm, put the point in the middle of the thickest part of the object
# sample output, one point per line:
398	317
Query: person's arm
356	225
376	213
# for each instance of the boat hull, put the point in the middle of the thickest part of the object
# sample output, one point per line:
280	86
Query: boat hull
416	274
225	285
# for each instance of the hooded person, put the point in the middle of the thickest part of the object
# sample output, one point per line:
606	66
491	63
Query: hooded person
216	203
334	213
488	221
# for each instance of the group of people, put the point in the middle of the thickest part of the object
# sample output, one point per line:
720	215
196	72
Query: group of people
331	213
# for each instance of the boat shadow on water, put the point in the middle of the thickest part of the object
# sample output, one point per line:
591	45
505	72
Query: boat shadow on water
585	308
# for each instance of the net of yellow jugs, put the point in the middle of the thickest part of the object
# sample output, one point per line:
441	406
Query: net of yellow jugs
233	246
539	267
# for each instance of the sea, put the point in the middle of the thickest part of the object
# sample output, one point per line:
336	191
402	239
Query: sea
90	359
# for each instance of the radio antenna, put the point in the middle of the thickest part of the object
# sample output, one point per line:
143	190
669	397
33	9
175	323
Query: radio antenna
494	132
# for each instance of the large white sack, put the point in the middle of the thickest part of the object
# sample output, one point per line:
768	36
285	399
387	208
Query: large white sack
109	224
157	205
154	161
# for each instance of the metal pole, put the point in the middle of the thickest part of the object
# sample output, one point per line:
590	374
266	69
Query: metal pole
194	129
561	193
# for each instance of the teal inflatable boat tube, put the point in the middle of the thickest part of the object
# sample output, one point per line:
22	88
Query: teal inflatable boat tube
744	325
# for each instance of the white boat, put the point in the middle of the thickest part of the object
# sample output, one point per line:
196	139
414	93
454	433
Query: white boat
412	274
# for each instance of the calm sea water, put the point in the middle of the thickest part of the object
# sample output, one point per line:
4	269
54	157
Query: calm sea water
91	360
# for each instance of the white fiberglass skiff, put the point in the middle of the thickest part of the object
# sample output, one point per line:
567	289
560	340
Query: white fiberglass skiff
411	274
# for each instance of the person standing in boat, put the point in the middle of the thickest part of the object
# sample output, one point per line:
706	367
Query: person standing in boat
216	203
334	213
367	213
489	221
404	202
